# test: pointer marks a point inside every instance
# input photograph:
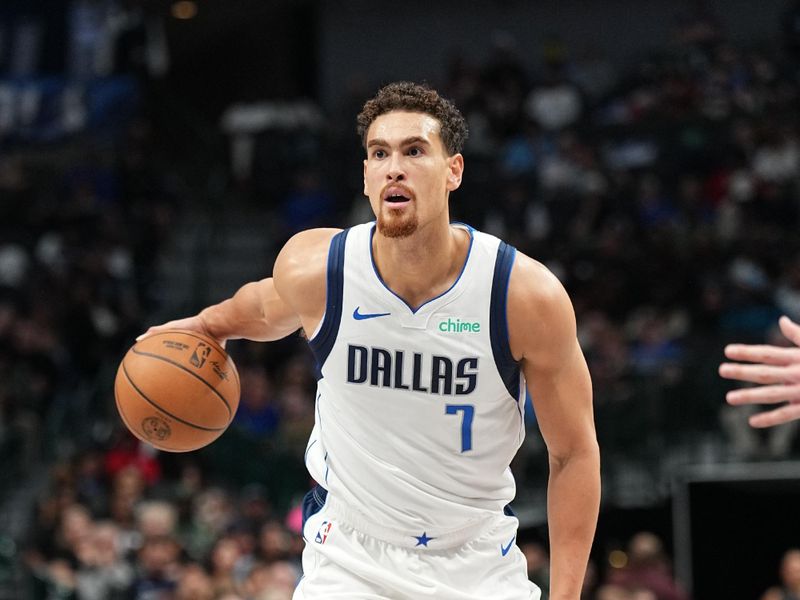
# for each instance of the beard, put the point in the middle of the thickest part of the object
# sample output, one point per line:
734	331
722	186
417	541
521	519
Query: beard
397	224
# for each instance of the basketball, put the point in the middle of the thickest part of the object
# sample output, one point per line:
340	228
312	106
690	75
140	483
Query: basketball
177	390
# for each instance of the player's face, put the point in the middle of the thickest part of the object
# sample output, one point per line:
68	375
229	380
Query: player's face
408	174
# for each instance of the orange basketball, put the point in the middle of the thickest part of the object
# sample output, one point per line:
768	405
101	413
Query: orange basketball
177	390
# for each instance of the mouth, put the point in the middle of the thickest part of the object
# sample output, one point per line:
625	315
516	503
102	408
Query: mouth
396	196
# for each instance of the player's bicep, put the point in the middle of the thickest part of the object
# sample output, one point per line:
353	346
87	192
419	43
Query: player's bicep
562	399
277	313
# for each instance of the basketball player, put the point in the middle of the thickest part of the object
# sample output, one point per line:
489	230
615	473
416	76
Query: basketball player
776	368
425	334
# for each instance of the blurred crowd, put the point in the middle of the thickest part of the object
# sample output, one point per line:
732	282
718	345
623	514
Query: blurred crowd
663	194
113	526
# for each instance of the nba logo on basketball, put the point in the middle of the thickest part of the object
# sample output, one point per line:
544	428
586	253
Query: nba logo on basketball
323	532
200	354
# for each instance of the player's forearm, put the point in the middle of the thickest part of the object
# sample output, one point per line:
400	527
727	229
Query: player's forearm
254	312
573	504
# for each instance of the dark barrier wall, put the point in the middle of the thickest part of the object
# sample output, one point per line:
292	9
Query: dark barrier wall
732	524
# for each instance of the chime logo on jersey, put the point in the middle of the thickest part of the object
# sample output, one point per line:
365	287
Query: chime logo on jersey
418	372
451	325
322	533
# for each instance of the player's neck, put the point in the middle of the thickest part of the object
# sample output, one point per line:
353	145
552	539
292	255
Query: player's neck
423	265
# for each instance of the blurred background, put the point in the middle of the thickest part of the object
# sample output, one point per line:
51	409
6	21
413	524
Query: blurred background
155	154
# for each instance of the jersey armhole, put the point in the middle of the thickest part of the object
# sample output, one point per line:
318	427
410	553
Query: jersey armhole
322	342
507	367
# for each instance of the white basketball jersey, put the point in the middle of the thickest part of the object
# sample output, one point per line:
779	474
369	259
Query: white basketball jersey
419	411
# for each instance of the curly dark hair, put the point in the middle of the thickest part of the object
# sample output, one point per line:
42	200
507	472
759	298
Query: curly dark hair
415	97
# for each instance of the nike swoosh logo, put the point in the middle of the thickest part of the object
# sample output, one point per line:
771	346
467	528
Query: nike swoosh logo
505	550
361	316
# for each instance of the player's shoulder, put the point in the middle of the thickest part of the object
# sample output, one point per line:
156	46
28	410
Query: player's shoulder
304	243
540	314
301	265
532	282
306	251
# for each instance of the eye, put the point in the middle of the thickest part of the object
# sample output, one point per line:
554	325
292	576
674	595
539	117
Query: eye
415	151
379	154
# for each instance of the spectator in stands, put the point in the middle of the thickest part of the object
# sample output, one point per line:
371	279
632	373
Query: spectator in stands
648	569
212	515
258	581
224	556
158	568
103	574
790	578
283	580
556	103
156	518
75	526
273	543
194	584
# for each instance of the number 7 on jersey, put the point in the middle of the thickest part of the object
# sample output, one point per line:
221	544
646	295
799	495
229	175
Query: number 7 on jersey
466	422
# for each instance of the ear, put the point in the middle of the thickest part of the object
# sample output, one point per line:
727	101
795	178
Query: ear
366	191
455	172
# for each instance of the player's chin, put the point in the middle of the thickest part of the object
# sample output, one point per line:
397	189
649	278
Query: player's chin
396	224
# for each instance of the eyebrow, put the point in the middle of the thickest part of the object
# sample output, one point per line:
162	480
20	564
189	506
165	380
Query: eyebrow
406	142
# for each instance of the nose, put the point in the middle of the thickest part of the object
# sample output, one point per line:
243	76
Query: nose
396	171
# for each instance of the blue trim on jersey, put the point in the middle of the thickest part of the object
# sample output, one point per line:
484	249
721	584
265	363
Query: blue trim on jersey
322	344
413	310
305	456
469	227
313	502
498	320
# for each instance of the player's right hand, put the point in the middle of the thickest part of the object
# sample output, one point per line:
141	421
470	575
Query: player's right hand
194	323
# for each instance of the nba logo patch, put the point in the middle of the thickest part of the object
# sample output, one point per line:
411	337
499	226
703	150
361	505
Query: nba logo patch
323	532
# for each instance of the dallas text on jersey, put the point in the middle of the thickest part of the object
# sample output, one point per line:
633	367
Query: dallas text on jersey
383	368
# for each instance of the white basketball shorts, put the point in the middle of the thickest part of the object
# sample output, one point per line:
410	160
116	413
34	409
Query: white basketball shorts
341	562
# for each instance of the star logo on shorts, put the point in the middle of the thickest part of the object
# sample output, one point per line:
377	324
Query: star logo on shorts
422	540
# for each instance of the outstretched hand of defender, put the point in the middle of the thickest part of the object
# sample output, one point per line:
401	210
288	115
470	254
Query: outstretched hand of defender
777	371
